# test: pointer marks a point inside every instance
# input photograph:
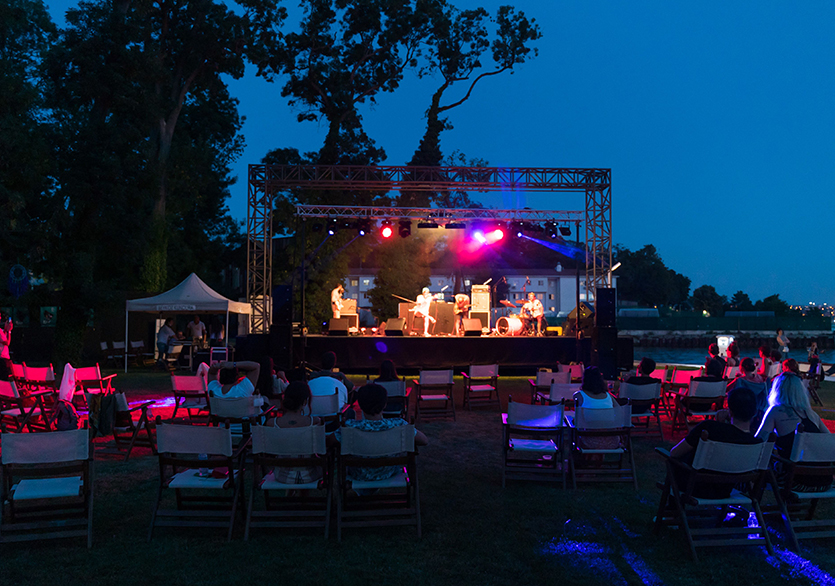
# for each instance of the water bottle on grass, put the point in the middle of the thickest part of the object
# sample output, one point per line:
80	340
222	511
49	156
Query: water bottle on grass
204	470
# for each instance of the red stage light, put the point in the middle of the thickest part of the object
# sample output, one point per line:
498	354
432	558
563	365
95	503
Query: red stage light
386	232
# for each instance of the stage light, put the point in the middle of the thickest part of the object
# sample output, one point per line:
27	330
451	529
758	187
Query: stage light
519	234
565	231
405	228
363	227
386	231
478	236
494	235
427	225
455	226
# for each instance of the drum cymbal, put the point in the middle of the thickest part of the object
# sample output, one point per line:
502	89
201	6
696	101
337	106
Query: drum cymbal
507	303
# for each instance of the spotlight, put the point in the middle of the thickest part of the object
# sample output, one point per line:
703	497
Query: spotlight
553	229
427	225
495	235
455	226
479	237
333	226
363	227
405	228
565	231
386	231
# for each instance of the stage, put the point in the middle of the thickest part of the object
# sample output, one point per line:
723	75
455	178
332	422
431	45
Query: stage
363	354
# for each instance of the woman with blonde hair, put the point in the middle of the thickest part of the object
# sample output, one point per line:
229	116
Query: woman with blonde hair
788	405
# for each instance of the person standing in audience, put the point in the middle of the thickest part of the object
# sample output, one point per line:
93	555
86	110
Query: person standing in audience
783	343
164	336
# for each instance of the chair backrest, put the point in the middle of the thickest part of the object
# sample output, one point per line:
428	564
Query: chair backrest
324	405
683	377
615	418
137	345
218	353
118	345
174	351
563	391
731	371
575	370
233	407
188	383
660	374
707	389
40	374
194	439
731	458
292	441
811	447
436	377
483	370
326	385
640	392
378	444
103	346
395	388
9	389
775	369
546	379
121	402
45	448
17	371
86	373
534	416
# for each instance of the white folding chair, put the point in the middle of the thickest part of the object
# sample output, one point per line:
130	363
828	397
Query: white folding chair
481	383
602	449
434	394
533	446
541	385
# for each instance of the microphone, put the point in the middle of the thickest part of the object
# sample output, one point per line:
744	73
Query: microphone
445	287
487	281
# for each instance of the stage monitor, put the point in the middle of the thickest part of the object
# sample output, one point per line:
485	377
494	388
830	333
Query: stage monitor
472	327
338	327
395	326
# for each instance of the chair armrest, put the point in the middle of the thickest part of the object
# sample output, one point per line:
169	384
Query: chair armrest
241	449
40	393
108	377
532	381
142	406
663	452
465	375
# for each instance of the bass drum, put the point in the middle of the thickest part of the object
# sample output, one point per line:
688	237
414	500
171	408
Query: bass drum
510	326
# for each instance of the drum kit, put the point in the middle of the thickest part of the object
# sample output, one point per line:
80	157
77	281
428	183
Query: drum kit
513	324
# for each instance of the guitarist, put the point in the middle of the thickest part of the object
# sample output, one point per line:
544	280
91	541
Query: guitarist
462	310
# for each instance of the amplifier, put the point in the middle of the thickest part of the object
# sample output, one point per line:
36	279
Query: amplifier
480	298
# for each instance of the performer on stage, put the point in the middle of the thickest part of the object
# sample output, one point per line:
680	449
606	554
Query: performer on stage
336	300
533	310
462	310
422	304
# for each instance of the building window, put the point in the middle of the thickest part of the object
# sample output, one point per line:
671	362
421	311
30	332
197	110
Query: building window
354	282
551	296
366	282
540	283
466	282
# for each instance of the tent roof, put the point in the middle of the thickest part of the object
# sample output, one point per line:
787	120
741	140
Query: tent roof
190	295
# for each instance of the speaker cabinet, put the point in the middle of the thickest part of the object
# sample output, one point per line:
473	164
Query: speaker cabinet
604	343
481	316
395	326
605	302
338	327
472	327
282	305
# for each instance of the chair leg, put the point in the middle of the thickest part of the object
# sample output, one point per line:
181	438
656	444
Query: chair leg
154	514
417	506
763	528
250	506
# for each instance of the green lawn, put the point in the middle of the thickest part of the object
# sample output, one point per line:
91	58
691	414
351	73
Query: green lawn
474	532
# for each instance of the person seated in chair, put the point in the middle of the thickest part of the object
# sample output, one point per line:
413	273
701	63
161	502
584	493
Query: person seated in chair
372	400
642	375
748	378
732	354
594	394
765	362
732	426
296	401
225	379
714	369
713	354
328	366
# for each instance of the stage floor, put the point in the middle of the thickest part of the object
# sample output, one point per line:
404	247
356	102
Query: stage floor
365	353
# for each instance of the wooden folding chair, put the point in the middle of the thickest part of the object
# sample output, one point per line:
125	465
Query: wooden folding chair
481	384
646	403
206	475
38	379
702	399
190	394
277	454
240	413
434	395
703	519
398	399
127	431
533	443
19	412
372	503
602	445
47	486
541	385
575	370
807	472
88	379
562	393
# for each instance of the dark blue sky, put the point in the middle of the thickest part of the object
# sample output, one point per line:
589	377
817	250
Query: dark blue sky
716	119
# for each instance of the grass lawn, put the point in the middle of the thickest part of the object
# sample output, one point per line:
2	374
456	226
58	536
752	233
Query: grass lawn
474	532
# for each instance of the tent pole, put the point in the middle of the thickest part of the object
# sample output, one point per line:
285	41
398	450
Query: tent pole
226	337
302	325
126	340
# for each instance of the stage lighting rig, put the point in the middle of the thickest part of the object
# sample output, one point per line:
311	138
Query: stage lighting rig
386	230
428	224
405	228
565	230
455	226
363	227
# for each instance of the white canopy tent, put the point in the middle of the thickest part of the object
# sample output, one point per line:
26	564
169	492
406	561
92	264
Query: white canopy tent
190	296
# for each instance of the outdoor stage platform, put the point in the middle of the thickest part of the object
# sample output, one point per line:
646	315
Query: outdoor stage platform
523	354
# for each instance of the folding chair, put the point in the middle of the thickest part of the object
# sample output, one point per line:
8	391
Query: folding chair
108	356
481	385
396	499
645	401
19	412
172	358
814	384
541	386
240	413
40	378
702	399
326	407
275	452
17	376
775	369
723	464
576	371
88	379
137	354
533	443
196	458
47	486
398	399
811	463
126	431
435	388
599	434
190	394
562	393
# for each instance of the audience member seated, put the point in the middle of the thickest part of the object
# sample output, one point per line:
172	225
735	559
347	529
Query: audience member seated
747	378
642	375
765	362
225	379
791	365
714	369
296	399
271	384
732	426
713	354
594	394
388	374
328	366
372	400
788	406
732	354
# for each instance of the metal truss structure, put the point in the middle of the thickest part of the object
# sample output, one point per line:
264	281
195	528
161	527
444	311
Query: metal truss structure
267	181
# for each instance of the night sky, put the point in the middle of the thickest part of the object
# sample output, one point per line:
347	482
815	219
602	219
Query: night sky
716	119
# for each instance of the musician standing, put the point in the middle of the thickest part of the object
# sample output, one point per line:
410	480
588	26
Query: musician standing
422	305
462	310
336	300
533	310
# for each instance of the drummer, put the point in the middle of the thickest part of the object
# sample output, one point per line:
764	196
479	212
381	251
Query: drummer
533	310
